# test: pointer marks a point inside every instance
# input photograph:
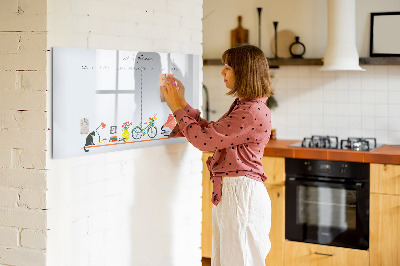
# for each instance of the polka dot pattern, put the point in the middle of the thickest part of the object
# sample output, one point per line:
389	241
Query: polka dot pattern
238	139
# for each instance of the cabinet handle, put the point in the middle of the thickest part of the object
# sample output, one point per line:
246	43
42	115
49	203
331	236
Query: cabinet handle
325	254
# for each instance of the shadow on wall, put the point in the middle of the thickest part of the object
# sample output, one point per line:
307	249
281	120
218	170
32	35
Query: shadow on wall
154	214
153	223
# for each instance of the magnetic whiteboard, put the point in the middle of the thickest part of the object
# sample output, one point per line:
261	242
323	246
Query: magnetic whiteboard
110	100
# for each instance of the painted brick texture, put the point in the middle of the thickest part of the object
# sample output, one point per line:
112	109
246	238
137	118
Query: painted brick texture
9	237
9	197
33	239
23	126
23	15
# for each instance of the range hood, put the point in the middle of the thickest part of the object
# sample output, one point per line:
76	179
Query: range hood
341	51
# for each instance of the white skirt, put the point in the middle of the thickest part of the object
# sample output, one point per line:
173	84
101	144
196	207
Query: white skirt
241	223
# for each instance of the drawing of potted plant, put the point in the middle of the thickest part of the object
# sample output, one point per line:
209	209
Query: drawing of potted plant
125	134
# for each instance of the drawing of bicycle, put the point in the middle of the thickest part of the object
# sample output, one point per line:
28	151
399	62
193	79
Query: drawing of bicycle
150	129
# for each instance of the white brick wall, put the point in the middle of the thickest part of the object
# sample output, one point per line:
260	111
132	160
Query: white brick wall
24	256
9	237
23	126
9	197
135	207
23	178
92	201
33	239
23	218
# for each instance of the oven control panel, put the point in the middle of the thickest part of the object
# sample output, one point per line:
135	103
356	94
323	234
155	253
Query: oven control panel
338	169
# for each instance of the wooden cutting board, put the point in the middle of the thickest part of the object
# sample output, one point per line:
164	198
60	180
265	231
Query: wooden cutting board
239	35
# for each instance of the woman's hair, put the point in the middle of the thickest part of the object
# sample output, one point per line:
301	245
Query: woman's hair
250	66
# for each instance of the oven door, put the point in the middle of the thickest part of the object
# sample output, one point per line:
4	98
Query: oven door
327	213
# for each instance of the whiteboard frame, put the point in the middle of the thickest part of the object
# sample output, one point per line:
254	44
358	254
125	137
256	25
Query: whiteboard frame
63	104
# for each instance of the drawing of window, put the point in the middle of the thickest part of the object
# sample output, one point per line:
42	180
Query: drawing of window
115	94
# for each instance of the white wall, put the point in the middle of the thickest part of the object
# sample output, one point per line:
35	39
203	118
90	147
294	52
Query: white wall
343	104
23	133
311	102
304	18
135	207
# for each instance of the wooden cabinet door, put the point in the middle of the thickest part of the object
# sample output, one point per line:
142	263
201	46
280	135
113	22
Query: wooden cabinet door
305	254
384	236
385	178
206	225
274	168
277	233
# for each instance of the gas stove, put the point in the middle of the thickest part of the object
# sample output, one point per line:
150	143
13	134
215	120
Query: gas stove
332	142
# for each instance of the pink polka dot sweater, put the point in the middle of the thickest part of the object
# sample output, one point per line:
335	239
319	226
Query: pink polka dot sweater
238	139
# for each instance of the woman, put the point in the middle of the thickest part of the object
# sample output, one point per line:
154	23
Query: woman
242	208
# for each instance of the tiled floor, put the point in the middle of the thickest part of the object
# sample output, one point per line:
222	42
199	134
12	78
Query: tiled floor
206	261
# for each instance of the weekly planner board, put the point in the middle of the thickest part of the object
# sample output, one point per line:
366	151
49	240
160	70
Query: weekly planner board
110	100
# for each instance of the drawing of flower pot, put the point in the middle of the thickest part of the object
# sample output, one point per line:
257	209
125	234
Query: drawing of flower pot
126	135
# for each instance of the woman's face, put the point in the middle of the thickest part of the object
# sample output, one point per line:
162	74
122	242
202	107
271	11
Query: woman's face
229	76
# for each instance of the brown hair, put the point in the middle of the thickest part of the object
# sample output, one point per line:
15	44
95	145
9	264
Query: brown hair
250	66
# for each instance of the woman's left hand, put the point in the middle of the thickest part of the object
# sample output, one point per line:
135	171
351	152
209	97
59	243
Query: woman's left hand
171	95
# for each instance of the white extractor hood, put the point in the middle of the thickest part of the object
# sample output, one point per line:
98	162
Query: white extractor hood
341	51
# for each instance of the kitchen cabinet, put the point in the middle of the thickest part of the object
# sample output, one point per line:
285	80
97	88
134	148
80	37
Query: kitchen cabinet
305	254
277	233
385	230
274	168
206	225
384	221
385	178
385	214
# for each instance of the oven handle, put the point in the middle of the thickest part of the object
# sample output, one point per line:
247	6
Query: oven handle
357	185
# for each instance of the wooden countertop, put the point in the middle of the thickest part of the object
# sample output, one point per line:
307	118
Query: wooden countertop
389	154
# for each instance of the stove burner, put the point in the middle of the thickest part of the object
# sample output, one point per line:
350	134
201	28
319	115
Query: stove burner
358	144
332	142
328	142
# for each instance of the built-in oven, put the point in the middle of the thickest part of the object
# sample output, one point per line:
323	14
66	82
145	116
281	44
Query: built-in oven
327	202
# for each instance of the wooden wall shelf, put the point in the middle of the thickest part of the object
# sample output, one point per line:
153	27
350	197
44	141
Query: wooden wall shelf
380	61
273	63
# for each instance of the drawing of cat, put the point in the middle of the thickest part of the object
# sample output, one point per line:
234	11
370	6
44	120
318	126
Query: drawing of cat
89	140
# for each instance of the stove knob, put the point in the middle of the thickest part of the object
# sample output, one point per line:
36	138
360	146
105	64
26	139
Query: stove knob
343	168
308	166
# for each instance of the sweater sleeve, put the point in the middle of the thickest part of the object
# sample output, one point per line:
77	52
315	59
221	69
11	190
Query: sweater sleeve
193	113
231	130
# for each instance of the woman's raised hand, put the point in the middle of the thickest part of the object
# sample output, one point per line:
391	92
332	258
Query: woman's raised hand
173	94
181	91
